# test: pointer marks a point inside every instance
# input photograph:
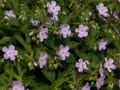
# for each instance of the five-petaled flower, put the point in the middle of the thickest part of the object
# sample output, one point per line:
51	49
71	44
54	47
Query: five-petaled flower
102	44
85	87
17	85
102	10
35	22
42	34
42	59
64	30
99	82
109	64
81	65
10	52
9	14
52	8
82	31
63	52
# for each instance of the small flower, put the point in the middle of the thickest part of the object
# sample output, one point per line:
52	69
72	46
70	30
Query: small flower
102	10
9	14
35	22
17	85
63	52
10	52
82	31
102	44
52	8
99	82
86	87
101	71
109	64
90	13
118	0
64	30
42	34
81	65
42	59
115	14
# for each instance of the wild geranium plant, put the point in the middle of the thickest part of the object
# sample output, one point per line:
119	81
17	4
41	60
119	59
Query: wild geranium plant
60	45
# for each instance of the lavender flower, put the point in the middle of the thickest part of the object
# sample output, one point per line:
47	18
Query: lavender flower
17	85
81	65
82	31
52	8
86	87
9	14
99	83
35	22
118	0
101	71
109	64
64	30
63	52
102	44
115	14
42	34
55	17
102	10
10	52
90	13
42	59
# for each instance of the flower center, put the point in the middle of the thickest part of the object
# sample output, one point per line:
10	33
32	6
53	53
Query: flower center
15	88
41	59
82	31
101	44
101	10
9	53
63	30
41	33
108	64
62	52
84	88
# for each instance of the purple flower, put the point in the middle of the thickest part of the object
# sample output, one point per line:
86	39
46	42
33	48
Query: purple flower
115	14
101	71
90	13
63	52
118	0
102	44
86	87
81	65
42	59
42	34
52	8
9	14
35	22
82	31
17	85
109	64
102	10
99	82
64	30
10	52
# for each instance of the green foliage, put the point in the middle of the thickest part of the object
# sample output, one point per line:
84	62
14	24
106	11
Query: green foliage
58	74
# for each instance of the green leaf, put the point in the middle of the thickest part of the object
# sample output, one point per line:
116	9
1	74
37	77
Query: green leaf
5	40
